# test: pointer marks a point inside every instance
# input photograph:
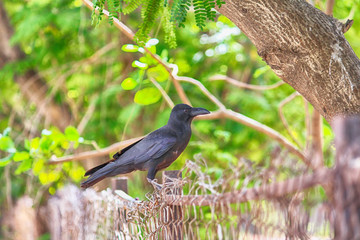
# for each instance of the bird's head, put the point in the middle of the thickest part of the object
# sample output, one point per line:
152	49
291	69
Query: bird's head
185	113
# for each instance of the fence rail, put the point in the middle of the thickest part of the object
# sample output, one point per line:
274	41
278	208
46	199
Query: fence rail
247	202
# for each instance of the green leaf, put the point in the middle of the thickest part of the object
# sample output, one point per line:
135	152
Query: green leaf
130	48
139	64
152	42
45	144
260	71
159	73
38	165
7	144
7	131
27	144
35	143
46	132
20	156
72	134
147	96
24	166
6	160
129	84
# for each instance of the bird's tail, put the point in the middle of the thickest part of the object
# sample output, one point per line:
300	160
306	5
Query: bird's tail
96	174
103	171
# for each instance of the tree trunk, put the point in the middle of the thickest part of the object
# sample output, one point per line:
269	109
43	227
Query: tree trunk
347	178
32	86
304	47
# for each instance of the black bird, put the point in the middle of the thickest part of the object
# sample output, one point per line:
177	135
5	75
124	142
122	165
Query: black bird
154	152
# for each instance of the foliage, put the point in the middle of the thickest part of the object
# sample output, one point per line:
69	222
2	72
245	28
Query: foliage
62	47
33	156
173	14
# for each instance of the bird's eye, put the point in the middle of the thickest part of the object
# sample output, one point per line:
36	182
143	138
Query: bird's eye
186	110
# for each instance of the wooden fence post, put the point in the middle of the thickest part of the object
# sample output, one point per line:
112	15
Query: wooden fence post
347	178
173	214
119	183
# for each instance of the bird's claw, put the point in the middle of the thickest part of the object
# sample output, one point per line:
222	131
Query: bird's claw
155	184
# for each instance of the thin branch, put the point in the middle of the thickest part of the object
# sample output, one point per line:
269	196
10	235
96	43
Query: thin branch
95	153
62	78
87	116
203	89
268	191
129	33
267	131
329	7
245	85
163	93
238	117
316	140
282	116
222	112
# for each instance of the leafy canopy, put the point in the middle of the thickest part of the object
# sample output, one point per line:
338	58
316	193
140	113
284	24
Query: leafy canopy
172	14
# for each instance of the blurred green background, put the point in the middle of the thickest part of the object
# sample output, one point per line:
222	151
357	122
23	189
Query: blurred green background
101	79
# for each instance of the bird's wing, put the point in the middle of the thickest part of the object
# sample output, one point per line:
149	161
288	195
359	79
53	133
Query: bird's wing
152	146
119	153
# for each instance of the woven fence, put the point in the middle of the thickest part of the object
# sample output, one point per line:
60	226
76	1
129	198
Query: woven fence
284	200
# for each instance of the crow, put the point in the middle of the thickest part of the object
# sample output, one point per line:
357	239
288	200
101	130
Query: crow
156	151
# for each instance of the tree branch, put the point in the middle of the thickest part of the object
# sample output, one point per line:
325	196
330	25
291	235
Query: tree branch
95	153
282	116
127	31
304	47
222	112
245	85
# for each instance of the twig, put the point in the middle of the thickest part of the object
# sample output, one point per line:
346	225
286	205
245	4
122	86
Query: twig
163	93
95	153
8	188
61	79
268	191
329	7
316	140
87	116
267	131
282	116
127	31
245	85
222	112
238	117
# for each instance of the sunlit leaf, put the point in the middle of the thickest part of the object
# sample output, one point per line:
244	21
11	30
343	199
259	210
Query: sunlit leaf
152	42
65	145
7	131
72	134
147	96
129	84
35	143
6	160
139	64
260	71
7	144
27	144
45	144
130	48
159	73
24	166
38	165
20	156
46	132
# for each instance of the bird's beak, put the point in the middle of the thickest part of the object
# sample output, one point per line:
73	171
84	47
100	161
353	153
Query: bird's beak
198	111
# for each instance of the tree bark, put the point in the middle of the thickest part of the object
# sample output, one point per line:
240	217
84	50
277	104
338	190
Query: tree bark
304	47
32	86
347	178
